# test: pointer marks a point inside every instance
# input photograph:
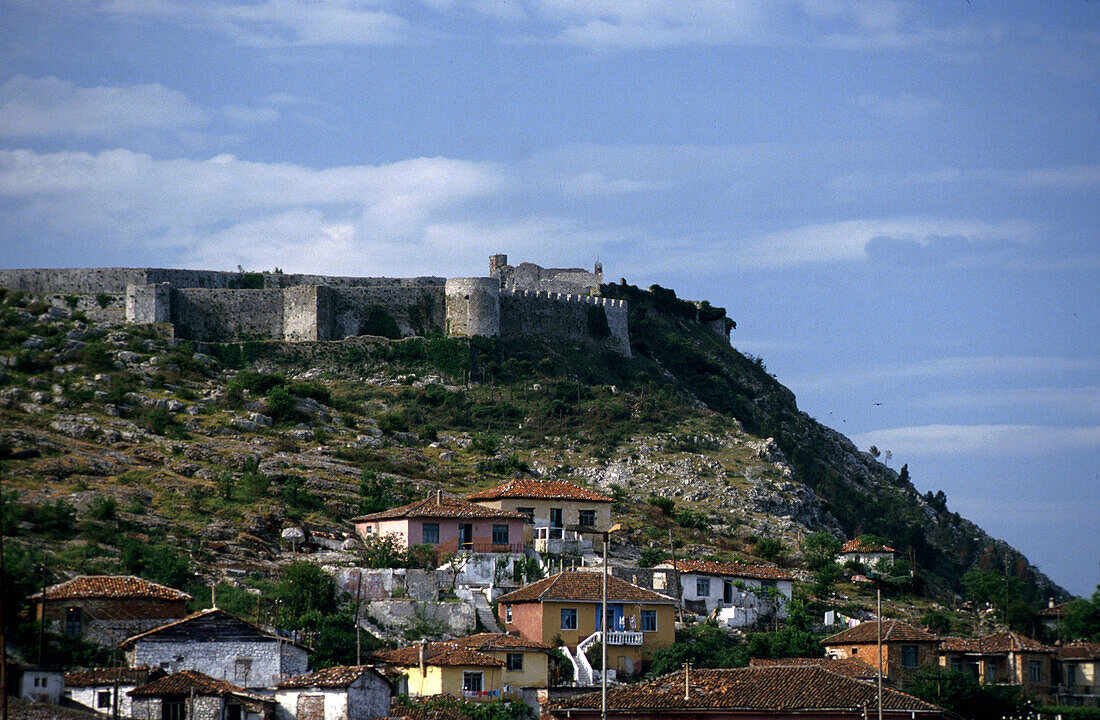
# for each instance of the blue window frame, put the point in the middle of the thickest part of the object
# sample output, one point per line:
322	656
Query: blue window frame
500	534
431	533
649	621
569	618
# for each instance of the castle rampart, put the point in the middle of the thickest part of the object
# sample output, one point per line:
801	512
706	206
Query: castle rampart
214	306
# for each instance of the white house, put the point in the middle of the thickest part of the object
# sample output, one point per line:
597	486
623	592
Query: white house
105	689
867	554
39	685
222	646
359	692
736	594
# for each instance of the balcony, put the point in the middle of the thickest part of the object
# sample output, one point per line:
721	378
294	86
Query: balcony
624	637
559	541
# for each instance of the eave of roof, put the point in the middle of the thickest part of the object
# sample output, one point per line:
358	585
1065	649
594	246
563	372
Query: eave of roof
579	586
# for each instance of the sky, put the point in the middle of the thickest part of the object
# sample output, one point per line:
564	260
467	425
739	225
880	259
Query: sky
896	201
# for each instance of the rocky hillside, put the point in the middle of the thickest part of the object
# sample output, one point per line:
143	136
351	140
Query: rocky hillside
136	449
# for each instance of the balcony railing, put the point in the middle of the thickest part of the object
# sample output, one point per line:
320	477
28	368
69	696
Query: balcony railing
483	547
624	637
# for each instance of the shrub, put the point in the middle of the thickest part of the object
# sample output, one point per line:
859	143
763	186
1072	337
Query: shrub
104	299
280	404
664	504
103	508
650	557
485	444
392	422
692	520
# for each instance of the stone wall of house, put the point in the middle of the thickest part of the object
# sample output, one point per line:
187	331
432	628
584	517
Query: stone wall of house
200	707
268	661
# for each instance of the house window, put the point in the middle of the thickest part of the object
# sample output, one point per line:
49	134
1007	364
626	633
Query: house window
957	664
529	512
73	621
659	581
649	621
908	656
241	670
702	587
991	670
1071	674
569	618
515	661
588	518
173	709
508	613
500	534
473	682
1035	671
103	699
431	533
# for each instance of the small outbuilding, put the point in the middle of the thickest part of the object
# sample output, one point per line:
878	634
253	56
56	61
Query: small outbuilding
105	689
192	695
357	692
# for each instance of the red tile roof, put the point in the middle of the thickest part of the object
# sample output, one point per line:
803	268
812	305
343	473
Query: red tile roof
854	546
183	683
443	507
540	489
756	572
583	587
849	667
499	641
787	688
110	586
1054	611
409	709
1079	651
109	676
867	632
340	676
994	644
438	653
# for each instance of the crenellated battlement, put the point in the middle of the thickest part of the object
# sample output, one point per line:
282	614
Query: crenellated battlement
213	306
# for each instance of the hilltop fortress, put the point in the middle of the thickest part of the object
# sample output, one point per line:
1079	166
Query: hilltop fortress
211	306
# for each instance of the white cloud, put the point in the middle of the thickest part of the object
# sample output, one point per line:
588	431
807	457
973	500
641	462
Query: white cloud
248	116
279	23
224	209
849	239
1069	177
970	367
981	440
51	107
903	107
1060	399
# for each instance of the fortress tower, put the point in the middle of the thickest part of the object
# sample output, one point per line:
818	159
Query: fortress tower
473	306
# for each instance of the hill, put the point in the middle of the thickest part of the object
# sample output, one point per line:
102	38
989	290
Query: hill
146	454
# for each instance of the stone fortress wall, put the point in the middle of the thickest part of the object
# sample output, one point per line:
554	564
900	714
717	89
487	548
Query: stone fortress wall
213	306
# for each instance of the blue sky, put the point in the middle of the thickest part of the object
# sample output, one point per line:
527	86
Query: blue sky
897	201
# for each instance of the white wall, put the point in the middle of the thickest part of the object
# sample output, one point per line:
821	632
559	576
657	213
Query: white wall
218	659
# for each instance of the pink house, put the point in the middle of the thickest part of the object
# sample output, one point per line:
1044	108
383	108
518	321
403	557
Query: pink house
449	524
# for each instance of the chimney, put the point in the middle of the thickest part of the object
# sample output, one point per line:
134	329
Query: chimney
420	654
1050	603
687	681
438	497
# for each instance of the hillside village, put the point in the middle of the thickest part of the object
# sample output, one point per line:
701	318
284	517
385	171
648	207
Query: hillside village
230	496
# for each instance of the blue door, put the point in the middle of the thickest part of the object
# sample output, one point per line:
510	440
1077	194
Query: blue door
614	615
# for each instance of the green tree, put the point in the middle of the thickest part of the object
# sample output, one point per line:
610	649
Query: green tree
304	588
820	549
937	622
704	645
963	694
1082	619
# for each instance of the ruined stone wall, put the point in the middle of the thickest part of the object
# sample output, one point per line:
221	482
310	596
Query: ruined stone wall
222	315
218	659
529	276
526	313
73	280
400	299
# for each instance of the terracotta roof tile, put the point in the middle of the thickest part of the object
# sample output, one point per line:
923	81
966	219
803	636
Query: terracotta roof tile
109	676
584	587
858	546
849	667
110	586
1079	651
756	572
412	710
1054	611
340	676
438	653
994	644
499	641
542	489
445	507
788	688
892	631
183	683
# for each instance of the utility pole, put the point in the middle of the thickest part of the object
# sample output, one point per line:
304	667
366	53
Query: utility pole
358	642
603	638
676	592
878	611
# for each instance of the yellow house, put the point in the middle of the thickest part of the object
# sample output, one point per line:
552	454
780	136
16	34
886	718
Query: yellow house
525	661
554	507
447	668
566	607
1078	676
